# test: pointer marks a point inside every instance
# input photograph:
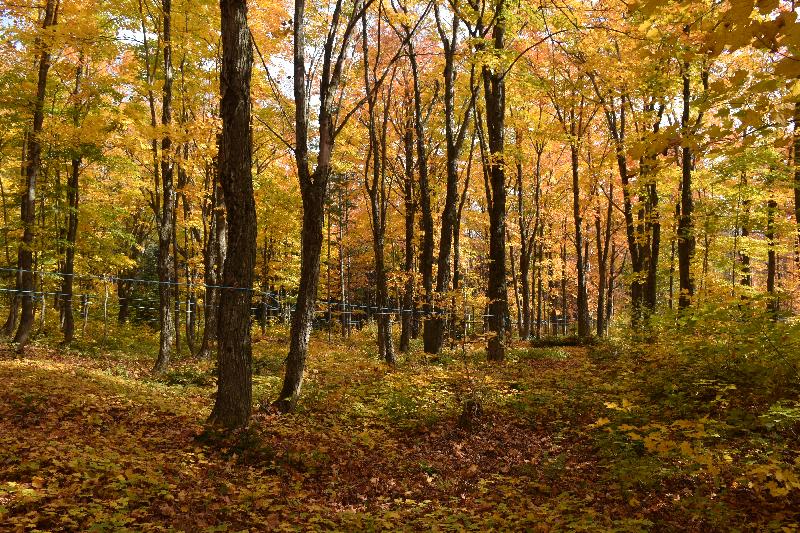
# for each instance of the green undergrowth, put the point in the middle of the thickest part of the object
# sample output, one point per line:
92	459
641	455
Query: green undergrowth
674	431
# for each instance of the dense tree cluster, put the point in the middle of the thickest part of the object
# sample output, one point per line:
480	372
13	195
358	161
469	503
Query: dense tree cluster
456	167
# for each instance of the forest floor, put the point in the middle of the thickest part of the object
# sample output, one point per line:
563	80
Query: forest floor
566	439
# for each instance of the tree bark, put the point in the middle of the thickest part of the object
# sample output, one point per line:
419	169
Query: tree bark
603	243
539	283
796	162
426	251
214	261
583	298
344	214
454	140
527	237
772	263
378	196
166	219
564	282
686	237
494	96
73	199
32	170
407	316
747	278
313	185
234	354
10	325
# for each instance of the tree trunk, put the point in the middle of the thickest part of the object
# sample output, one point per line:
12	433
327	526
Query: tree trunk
539	285
313	185
345	317
747	278
10	325
73	199
583	298
672	258
378	198
234	354
603	240
166	219
214	261
515	284
527	238
564	283
654	240
686	238
612	276
772	207
457	281
300	333
32	170
796	162
494	96
454	140
525	282
426	252
407	316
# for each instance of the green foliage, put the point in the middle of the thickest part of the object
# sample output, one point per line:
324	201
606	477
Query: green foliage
187	375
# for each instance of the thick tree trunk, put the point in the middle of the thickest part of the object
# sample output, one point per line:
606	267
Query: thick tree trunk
32	170
634	248
454	139
234	354
538	247
551	292
494	95
686	237
300	333
672	257
457	276
313	185
166	219
176	288
426	251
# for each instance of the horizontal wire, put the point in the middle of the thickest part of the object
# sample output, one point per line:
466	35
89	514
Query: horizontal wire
108	278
